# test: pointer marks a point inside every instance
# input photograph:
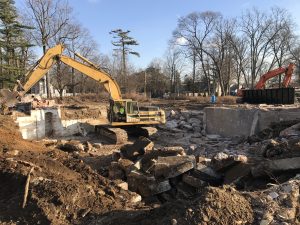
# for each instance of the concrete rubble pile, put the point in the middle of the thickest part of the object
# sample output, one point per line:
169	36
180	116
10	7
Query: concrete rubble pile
185	120
150	171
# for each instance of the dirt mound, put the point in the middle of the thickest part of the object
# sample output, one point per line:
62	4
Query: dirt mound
213	206
62	189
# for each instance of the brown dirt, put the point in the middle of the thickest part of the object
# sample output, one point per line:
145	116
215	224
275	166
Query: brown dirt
62	188
214	206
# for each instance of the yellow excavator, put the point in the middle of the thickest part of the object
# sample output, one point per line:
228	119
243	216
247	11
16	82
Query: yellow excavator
122	113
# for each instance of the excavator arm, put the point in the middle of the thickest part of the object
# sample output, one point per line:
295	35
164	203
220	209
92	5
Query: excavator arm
273	73
54	54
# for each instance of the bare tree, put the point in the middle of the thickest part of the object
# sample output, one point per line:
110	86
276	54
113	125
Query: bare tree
196	29
48	17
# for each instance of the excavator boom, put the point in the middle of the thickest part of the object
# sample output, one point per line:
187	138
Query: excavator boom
54	54
273	73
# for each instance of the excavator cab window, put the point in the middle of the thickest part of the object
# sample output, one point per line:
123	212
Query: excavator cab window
118	111
132	107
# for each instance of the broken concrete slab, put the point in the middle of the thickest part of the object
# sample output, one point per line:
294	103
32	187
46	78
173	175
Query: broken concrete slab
221	161
172	166
206	173
146	185
193	181
275	166
139	147
147	160
235	173
126	165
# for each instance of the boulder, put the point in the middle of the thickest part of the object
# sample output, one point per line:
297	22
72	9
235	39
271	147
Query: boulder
172	166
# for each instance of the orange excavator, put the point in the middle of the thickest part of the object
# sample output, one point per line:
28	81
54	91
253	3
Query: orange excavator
261	84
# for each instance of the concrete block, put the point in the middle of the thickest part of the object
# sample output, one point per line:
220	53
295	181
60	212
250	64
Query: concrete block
193	181
275	166
172	166
146	185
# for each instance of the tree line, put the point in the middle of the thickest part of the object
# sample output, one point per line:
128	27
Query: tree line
206	52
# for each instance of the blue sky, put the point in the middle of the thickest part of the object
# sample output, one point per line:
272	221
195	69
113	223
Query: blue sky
152	21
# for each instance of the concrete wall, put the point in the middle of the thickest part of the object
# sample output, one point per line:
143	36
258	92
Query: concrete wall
229	122
33	127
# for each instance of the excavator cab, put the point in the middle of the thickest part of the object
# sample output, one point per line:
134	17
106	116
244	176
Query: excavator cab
128	112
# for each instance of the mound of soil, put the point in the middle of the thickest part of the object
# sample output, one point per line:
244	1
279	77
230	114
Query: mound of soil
62	189
213	206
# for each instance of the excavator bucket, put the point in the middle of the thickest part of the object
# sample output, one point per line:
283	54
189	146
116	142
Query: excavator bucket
10	98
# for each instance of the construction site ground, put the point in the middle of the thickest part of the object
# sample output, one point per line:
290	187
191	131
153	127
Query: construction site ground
78	180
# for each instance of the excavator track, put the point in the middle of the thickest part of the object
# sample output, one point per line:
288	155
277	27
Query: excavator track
114	135
118	135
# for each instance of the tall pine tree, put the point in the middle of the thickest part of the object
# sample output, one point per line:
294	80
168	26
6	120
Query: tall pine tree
13	45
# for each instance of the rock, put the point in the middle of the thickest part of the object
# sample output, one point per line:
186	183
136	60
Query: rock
122	184
171	124
196	134
272	148
221	161
182	124
126	165
172	166
97	145
146	185
194	121
275	166
187	127
291	131
207	174
172	150
139	147
13	152
115	172
181	118
135	198
72	146
197	129
214	137
193	181
172	113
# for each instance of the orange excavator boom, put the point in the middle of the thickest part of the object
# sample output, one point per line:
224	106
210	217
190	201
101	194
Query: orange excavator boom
273	73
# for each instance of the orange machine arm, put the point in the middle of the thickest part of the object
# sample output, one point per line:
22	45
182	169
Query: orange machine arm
55	53
273	73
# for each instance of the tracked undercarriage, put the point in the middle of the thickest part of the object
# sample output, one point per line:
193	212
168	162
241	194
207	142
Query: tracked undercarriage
119	135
